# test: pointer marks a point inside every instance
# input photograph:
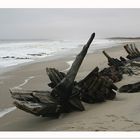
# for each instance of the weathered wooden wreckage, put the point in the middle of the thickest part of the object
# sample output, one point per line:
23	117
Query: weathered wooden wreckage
67	94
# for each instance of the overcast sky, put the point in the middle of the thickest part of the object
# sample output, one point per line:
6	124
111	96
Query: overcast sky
68	23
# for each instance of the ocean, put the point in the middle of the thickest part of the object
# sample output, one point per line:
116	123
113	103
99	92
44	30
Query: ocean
18	52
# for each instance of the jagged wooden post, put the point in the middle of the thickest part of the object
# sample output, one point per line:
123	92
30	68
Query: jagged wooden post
133	52
138	52
113	61
63	90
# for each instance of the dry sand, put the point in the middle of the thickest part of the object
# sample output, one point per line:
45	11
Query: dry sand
121	114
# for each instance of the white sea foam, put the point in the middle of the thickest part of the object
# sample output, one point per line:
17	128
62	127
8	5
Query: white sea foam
5	111
21	52
14	53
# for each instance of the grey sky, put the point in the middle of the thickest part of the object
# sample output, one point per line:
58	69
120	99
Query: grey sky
68	23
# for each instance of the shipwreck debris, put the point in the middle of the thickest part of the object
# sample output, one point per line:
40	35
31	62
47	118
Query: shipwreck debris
117	67
130	88
133	52
96	88
67	94
124	66
114	71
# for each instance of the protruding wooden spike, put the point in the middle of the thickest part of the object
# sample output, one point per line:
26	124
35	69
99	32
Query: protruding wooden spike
64	88
108	57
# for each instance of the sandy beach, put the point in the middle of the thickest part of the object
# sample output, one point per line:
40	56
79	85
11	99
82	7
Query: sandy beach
121	114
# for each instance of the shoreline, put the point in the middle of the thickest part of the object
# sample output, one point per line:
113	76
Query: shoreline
39	80
66	54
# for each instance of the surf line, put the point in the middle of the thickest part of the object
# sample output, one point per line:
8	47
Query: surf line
25	82
5	111
70	64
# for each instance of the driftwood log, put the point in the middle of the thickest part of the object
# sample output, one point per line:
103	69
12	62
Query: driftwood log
66	94
130	88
